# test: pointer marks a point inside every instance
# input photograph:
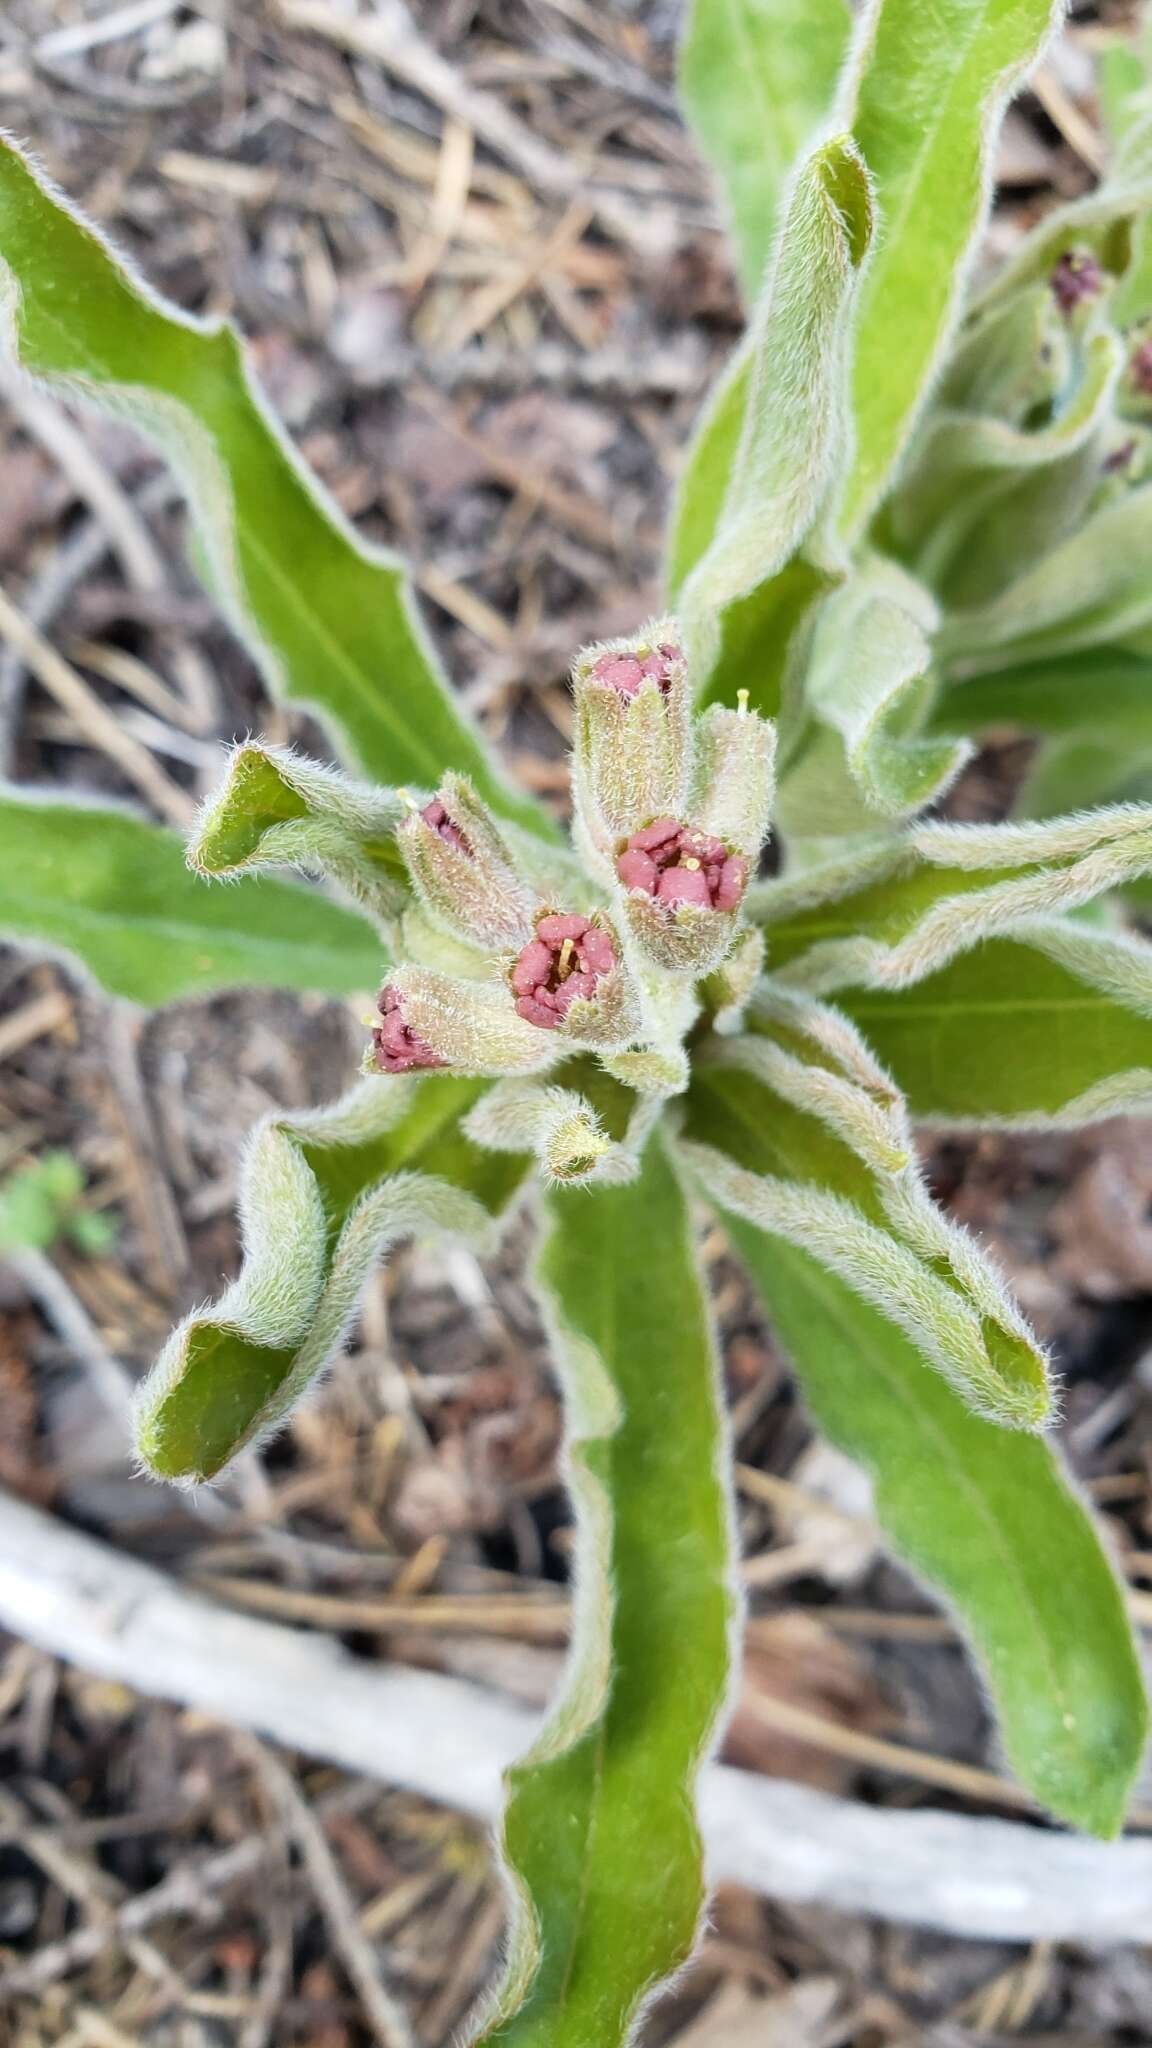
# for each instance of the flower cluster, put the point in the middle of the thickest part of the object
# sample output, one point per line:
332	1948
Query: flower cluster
514	954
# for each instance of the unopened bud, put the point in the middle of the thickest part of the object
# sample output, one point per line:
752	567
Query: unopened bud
632	744
463	869
570	977
399	1049
1076	280
735	778
431	1019
559	1126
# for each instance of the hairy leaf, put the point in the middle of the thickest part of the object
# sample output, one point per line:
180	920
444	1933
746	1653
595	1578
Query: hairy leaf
862	757
113	892
793	424
1091	589
931	85
817	1151
274	809
989	1519
1010	1034
323	1195
331	620
600	1832
889	915
983	498
756	78
1095	710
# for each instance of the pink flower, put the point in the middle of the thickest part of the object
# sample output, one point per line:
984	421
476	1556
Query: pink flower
399	1049
437	819
567	959
1076	279
676	865
626	672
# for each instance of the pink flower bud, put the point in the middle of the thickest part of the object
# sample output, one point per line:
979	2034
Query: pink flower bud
632	745
566	961
626	672
464	870
399	1049
1076	280
436	818
677	866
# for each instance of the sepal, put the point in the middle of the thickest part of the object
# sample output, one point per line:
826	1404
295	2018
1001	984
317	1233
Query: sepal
433	1019
463	871
632	737
734	777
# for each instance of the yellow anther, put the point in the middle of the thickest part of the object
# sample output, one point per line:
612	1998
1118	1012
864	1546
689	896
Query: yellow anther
742	702
564	963
406	797
691	865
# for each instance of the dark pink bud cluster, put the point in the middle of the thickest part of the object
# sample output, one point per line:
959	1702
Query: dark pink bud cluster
1076	279
676	865
399	1049
567	959
436	818
626	672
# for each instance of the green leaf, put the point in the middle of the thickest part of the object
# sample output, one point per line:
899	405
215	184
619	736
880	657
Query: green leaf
1011	1034
983	499
1092	589
1108	220
323	1195
273	809
600	1832
707	470
932	85
1094	709
331	620
862	757
756	78
114	892
792	431
889	914
817	1150
987	1517
1124	83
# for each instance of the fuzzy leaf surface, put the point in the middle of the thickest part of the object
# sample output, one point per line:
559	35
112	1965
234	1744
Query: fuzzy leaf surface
1094	709
931	87
890	914
790	434
988	1518
113	892
1009	1034
862	756
811	1171
331	620
600	1832
322	1196
1091	589
756	78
